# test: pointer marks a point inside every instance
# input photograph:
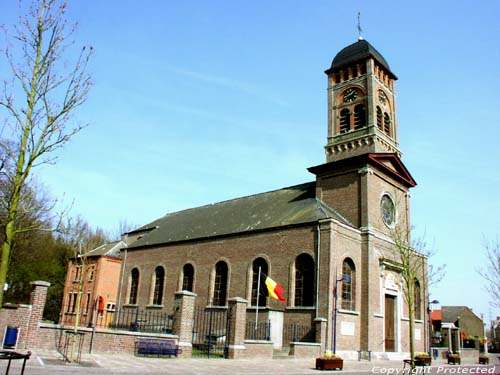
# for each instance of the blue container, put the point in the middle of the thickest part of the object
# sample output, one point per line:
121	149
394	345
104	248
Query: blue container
10	339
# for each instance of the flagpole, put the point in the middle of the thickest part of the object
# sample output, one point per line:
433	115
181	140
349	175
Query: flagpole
257	311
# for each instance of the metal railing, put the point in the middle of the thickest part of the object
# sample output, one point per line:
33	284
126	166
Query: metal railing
260	332
295	332
125	318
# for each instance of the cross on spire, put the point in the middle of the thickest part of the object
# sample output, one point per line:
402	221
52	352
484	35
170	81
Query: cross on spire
359	27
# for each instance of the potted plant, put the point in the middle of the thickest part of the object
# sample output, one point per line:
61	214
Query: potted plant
453	359
483	359
422	359
329	361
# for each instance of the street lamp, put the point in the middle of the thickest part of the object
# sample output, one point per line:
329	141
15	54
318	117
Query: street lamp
430	322
343	278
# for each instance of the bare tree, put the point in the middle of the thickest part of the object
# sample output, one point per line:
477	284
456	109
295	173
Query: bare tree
491	270
37	102
412	255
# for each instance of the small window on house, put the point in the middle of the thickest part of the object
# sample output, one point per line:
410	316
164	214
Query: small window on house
259	263
91	273
345	120
348	284
304	280
187	277
417	301
220	286
159	283
134	286
379	118
359	116
387	124
87	303
110	307
78	273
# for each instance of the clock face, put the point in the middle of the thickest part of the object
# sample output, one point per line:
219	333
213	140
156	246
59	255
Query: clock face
350	95
382	97
388	210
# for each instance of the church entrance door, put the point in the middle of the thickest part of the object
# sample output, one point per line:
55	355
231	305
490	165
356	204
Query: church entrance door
390	328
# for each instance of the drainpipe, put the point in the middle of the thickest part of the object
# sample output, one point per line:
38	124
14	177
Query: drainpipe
318	253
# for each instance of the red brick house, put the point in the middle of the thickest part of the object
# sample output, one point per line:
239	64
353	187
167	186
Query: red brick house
334	231
98	273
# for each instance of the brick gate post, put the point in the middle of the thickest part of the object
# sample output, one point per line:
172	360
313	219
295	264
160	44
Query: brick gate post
183	321
38	299
238	317
321	332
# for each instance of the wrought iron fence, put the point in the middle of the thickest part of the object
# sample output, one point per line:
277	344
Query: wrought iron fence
261	331
125	318
295	332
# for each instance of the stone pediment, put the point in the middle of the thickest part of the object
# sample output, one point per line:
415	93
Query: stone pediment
392	164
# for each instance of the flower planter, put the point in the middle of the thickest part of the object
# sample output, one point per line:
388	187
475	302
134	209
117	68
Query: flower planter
422	360
329	363
453	360
483	360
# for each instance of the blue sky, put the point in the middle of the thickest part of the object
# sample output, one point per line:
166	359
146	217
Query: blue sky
197	102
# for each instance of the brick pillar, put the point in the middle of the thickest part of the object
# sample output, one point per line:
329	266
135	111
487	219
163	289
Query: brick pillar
321	333
183	321
237	325
38	299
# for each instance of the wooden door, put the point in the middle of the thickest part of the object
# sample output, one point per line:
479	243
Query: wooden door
390	330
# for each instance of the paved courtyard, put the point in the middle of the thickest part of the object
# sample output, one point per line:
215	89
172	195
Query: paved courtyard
51	363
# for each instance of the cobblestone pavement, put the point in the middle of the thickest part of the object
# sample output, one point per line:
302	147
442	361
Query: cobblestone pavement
51	363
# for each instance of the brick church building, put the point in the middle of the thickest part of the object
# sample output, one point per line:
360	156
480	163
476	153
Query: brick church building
334	231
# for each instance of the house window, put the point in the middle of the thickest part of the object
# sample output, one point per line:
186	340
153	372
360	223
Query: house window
417	301
345	120
379	118
262	264
78	273
348	285
187	277
304	280
134	286
87	303
110	306
359	117
220	286
159	282
91	273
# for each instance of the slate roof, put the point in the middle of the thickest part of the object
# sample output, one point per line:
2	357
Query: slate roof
358	51
111	249
450	314
293	205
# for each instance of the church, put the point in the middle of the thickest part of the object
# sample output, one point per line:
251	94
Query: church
328	242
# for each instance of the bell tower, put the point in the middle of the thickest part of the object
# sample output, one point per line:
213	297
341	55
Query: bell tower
361	104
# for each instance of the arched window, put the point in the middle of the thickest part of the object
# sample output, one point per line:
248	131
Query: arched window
304	280
417	301
159	283
345	120
220	286
387	123
359	116
262	264
348	285
134	286
187	277
379	118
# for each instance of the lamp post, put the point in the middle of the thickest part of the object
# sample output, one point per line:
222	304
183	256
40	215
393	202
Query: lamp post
430	322
343	278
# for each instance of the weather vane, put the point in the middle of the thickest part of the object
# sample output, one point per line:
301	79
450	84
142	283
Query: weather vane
359	27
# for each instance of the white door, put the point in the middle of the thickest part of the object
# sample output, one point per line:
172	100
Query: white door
276	319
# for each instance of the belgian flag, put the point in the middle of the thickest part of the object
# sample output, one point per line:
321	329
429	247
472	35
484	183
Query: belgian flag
269	287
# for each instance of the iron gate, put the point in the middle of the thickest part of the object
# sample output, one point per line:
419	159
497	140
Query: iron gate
211	332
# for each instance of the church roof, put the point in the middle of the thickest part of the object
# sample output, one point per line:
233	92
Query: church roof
358	51
289	206
111	249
